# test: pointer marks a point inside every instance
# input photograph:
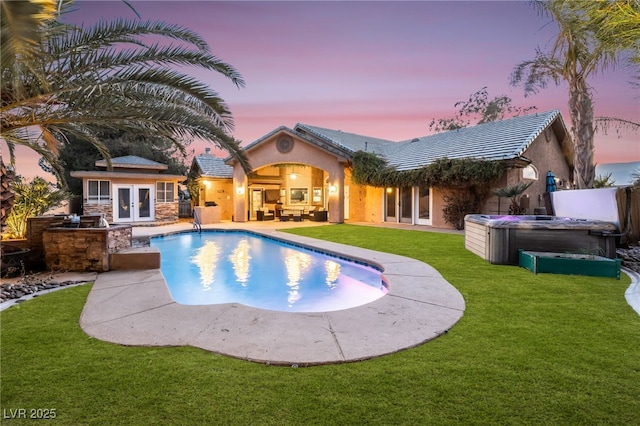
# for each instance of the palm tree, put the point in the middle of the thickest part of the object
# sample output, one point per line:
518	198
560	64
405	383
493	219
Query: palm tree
513	192
576	55
68	80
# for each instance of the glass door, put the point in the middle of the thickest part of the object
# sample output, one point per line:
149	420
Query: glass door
424	206
390	205
123	204
256	203
133	203
143	212
406	205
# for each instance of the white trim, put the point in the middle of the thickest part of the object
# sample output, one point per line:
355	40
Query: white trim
101	199
164	191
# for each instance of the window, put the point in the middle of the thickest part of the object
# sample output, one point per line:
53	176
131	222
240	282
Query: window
299	196
530	172
165	192
99	192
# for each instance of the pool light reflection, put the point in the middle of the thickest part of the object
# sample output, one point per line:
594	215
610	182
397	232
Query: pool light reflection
332	270
296	263
206	258
240	258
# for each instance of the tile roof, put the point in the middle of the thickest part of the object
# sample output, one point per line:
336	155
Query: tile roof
498	140
349	141
212	166
133	161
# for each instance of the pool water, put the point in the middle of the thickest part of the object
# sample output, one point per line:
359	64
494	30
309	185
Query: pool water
242	267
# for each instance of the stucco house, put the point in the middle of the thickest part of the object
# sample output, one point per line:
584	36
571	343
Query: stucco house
308	168
135	191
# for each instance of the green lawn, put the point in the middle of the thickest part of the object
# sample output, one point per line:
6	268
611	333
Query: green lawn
530	349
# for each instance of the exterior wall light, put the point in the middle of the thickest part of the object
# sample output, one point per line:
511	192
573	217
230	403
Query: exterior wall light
389	190
240	189
333	189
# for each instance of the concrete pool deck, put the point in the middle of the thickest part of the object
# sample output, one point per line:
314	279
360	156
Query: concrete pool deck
135	308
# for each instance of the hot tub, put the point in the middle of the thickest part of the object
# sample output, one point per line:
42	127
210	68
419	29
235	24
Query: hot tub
497	238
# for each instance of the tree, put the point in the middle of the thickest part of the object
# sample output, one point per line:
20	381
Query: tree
32	199
577	54
7	196
81	155
479	107
80	81
615	24
60	81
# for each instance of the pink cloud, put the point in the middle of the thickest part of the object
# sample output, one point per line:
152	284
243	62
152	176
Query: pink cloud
383	69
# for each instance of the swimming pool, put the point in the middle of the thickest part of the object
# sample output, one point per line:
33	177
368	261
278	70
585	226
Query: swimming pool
262	272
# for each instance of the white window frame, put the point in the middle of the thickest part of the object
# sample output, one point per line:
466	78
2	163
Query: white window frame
161	192
99	198
533	175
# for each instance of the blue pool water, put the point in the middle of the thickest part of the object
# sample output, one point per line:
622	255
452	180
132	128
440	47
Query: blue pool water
242	267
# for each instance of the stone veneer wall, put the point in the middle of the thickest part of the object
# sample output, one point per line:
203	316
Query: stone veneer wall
166	212
99	209
84	249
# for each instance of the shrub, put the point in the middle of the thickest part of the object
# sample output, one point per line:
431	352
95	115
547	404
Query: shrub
31	199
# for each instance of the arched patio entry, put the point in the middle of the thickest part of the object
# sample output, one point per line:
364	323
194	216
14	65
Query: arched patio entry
276	160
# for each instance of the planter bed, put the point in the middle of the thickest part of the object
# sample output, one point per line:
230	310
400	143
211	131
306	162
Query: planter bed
569	264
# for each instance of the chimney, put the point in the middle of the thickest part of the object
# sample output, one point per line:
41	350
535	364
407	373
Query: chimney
207	150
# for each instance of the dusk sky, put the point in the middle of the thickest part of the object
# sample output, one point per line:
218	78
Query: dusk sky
382	69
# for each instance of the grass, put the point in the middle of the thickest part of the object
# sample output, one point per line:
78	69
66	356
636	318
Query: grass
530	349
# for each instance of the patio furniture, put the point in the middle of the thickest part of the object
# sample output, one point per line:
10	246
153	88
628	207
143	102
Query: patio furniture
265	214
306	214
291	214
319	215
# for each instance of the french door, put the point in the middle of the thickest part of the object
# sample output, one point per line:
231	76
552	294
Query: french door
133	203
408	205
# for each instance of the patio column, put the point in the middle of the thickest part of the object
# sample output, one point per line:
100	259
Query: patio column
239	194
336	194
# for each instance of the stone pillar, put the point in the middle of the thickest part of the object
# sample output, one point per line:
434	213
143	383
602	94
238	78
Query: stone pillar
239	194
336	195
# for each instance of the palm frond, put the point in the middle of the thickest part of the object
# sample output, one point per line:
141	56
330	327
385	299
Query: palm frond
21	24
512	191
107	77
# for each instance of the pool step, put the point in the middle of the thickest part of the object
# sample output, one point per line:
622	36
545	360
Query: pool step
135	258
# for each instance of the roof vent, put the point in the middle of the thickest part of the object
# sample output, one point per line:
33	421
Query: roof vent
366	145
415	139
